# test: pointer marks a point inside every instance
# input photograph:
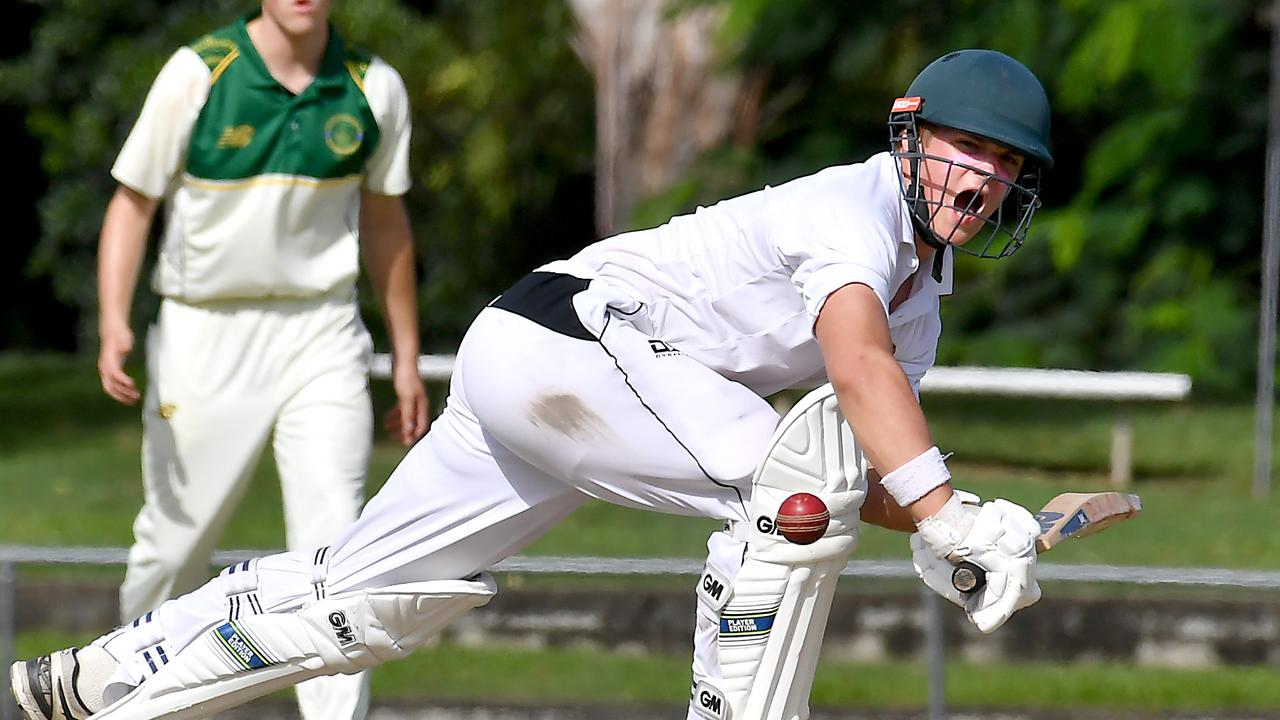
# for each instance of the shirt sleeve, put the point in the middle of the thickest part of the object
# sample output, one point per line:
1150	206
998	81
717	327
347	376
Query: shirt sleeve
387	171
830	244
155	151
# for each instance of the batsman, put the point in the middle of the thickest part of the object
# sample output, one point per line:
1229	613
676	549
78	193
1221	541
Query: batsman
636	372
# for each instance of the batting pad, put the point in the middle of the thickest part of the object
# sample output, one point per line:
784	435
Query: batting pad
240	660
774	615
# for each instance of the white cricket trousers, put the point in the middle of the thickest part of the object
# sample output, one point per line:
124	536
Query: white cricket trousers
551	404
223	379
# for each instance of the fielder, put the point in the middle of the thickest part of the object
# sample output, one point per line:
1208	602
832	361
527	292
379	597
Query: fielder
280	154
635	372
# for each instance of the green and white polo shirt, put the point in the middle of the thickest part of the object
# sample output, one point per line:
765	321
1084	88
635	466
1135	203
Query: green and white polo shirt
261	186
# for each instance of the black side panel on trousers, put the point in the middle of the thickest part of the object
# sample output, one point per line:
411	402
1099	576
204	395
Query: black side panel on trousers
547	299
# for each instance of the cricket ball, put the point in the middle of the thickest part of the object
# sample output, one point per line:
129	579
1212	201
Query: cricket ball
803	518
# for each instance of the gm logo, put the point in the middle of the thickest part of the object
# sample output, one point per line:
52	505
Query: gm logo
710	702
338	621
713	589
766	525
711	586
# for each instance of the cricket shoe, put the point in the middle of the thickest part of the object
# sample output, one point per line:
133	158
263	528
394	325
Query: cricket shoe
64	685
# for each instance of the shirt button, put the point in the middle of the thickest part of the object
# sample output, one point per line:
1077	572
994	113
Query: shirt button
294	125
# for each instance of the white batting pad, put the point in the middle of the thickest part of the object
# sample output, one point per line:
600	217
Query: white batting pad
244	659
774	615
812	451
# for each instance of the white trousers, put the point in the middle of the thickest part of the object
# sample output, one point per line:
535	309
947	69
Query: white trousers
537	422
223	379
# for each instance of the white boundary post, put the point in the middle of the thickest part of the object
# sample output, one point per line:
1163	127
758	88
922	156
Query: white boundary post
1265	403
1122	447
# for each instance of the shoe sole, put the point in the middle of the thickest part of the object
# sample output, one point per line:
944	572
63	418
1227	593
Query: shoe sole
20	685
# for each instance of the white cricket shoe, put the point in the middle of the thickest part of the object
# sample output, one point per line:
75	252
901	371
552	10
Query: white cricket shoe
51	687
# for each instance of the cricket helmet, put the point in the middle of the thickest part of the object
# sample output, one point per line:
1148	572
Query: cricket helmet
986	93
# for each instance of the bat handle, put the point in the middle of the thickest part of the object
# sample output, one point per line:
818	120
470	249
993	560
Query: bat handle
968	577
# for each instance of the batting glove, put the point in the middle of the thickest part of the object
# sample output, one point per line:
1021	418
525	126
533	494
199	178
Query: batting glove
1000	538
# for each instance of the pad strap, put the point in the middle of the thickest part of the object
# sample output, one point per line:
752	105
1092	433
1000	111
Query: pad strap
240	583
142	643
320	572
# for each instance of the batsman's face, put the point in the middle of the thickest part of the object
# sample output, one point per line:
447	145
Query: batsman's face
298	17
965	178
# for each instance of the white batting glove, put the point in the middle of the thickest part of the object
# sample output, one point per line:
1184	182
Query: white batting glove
1000	538
938	535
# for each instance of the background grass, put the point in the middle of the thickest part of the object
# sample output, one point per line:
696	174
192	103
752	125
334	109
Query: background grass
69	475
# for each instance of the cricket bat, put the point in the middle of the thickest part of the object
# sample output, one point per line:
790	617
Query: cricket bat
1067	515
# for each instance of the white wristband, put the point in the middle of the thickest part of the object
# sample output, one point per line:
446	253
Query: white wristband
917	477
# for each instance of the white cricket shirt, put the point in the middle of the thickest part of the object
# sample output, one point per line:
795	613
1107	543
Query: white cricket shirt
738	286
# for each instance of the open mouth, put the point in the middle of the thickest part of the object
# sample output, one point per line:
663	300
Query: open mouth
967	202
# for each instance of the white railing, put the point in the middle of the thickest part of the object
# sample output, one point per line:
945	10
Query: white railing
436	368
1122	388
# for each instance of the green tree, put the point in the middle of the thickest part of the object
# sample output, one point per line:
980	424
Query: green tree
1145	255
501	153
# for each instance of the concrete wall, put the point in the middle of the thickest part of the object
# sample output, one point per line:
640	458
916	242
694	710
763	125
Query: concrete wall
864	626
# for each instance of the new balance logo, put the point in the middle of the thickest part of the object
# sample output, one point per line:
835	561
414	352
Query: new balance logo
662	348
338	621
235	136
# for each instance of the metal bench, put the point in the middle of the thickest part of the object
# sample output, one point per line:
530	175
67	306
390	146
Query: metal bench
1122	388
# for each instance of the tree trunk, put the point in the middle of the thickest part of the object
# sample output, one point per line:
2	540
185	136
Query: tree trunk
662	96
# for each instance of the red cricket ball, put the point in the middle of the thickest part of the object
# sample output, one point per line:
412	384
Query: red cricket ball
803	518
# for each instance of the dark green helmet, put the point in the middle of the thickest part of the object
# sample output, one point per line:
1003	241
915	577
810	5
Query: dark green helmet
990	94
986	93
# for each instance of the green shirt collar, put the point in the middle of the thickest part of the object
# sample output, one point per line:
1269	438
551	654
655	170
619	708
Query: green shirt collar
332	73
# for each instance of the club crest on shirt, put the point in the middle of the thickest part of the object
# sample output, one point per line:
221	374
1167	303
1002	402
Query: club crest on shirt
343	134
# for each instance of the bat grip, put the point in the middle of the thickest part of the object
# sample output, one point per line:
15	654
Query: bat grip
968	577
